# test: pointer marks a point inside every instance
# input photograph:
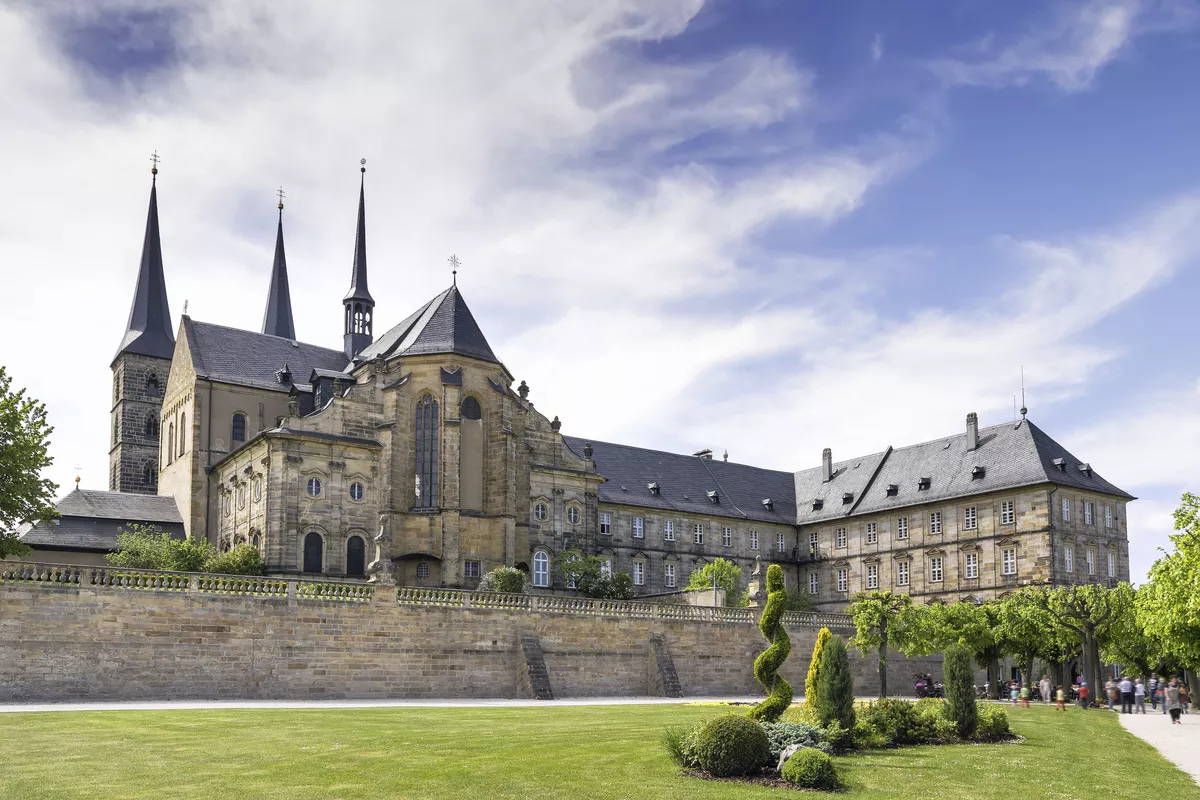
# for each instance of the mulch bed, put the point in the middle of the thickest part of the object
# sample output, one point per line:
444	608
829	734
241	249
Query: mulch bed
766	778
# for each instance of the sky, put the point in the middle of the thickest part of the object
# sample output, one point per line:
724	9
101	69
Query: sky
760	226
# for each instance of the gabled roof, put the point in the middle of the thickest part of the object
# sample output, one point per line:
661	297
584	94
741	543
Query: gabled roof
851	477
246	358
148	331
685	481
443	325
91	520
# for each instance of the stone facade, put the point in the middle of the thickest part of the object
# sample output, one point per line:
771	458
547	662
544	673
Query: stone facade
133	457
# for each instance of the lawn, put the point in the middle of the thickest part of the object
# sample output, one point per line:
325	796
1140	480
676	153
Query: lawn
552	752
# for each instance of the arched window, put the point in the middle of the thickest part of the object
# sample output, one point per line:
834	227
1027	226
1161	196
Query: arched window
314	487
540	512
314	555
356	491
238	432
471	409
256	540
182	433
152	385
150	476
541	569
171	443
152	427
356	557
427	452
114	431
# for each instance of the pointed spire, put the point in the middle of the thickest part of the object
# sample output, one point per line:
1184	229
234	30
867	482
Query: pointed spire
277	320
358	277
149	329
358	304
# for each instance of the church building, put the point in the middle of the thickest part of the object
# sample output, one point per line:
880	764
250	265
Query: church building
411	452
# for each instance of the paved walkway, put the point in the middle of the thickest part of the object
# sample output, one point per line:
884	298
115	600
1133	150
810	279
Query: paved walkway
189	705
1179	744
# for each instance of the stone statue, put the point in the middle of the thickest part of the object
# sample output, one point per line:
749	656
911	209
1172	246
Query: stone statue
378	569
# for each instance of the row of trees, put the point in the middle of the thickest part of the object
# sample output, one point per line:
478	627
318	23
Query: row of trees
1154	628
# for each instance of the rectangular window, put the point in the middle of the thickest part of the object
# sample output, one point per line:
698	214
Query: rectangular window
972	565
902	528
1087	513
639	573
872	576
969	518
1108	516
753	540
727	537
812	543
1069	559
670	576
605	523
1008	561
1008	514
669	531
638	528
606	567
935	569
812	584
872	533
839	536
779	542
902	573
1112	565
1066	509
1091	562
472	569
698	533
843	579
935	522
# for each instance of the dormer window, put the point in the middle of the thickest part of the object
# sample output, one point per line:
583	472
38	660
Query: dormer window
1086	469
284	375
818	504
847	498
768	504
1061	463
924	483
977	472
653	487
714	497
892	490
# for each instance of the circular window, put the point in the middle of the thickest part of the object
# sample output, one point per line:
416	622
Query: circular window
356	491
257	490
573	515
314	487
539	511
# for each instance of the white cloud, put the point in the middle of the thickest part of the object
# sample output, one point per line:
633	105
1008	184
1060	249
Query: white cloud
877	47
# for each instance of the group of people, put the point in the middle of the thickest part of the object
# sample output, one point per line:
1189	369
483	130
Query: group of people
1131	694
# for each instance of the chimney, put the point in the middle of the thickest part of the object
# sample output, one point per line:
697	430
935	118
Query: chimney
972	431
826	465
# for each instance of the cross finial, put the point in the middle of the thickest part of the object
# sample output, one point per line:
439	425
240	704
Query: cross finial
185	307
280	195
454	265
154	159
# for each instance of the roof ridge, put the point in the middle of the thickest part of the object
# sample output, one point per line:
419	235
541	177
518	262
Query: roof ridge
670	453
260	333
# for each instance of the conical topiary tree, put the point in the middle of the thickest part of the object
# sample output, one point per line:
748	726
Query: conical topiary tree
814	667
960	689
835	685
766	666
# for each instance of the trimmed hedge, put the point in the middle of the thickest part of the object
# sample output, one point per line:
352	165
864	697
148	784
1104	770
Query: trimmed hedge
732	745
811	769
835	685
960	690
992	723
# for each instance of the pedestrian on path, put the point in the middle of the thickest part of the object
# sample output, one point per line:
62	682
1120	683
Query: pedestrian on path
1061	697
1172	701
1139	697
1152	688
1024	694
1046	688
1184	699
1126	687
1014	692
1111	690
1083	694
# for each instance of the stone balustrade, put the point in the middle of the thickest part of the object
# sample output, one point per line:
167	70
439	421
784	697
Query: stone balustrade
349	591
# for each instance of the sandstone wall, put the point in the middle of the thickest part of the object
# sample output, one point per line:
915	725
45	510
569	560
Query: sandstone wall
81	637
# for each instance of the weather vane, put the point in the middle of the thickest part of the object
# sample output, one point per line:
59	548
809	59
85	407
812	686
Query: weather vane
154	163
454	265
280	195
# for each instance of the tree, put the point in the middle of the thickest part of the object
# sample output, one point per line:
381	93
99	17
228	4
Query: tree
960	689
1029	632
507	580
933	628
592	576
800	600
814	667
25	496
878	616
1129	644
1087	611
835	685
728	577
142	546
766	666
1168	606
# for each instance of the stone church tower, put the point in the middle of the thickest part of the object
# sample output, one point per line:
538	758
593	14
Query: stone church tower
140	370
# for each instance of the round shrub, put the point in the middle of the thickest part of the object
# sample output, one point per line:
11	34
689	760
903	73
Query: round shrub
811	769
785	734
732	745
992	723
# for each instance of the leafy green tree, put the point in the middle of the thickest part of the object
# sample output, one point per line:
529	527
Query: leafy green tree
25	496
728	577
835	685
1029	632
878	618
507	580
1088	612
1168	605
960	689
591	576
766	666
1128	643
800	600
241	560
932	628
142	546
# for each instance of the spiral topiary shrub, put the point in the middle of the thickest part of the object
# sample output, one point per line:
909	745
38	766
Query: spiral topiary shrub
732	745
811	769
814	666
766	666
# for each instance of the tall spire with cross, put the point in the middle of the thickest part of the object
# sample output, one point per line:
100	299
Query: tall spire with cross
148	331
277	320
358	304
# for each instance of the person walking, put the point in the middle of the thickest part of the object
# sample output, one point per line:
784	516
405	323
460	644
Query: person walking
1061	697
1152	690
1014	692
1139	697
1046	688
1171	701
1126	688
1184	699
1024	695
1110	689
1083	694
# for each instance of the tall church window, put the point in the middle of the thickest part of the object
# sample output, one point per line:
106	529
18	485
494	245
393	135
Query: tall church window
541	569
470	455
171	443
150	476
355	557
238	432
182	433
114	432
427	452
313	552
151	427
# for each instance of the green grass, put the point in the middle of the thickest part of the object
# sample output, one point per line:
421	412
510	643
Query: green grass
552	752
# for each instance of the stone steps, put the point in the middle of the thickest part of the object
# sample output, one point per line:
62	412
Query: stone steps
535	667
667	678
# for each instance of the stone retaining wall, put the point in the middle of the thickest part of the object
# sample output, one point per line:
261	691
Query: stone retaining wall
97	633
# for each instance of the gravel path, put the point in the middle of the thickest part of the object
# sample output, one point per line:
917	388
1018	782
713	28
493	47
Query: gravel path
1179	744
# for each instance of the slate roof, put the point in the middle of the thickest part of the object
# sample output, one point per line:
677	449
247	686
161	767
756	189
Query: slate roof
246	358
443	325
148	331
684	483
1011	456
91	520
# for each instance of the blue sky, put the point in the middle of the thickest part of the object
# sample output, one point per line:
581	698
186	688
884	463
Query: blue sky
764	226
